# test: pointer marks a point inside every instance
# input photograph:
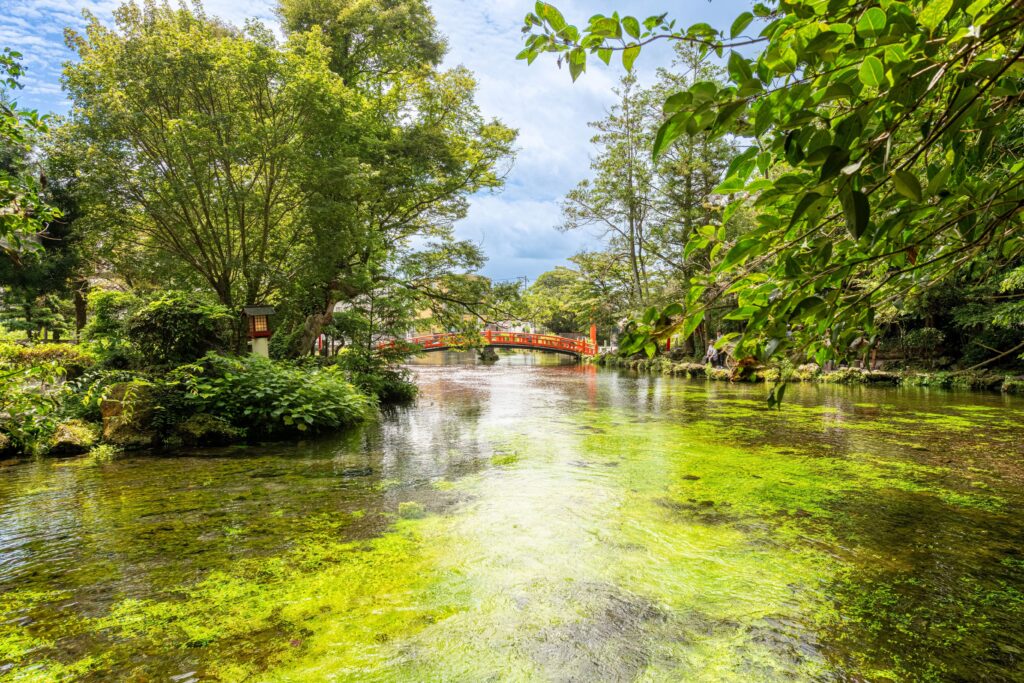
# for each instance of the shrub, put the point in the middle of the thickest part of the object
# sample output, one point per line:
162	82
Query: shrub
203	429
103	453
265	396
924	342
178	328
109	311
374	376
1013	385
74	359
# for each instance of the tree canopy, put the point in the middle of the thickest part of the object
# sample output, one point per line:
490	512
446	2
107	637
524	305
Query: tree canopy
321	169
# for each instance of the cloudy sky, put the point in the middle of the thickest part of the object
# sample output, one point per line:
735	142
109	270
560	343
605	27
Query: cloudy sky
516	227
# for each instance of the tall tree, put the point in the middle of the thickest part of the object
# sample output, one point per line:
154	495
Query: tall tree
619	198
424	147
202	131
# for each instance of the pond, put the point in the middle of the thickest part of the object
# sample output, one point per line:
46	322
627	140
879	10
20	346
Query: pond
537	520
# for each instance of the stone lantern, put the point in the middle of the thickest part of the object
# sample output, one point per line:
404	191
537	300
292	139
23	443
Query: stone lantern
259	328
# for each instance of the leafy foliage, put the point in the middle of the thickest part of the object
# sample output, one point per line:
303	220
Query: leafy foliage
29	403
74	359
273	397
199	133
178	328
23	213
883	154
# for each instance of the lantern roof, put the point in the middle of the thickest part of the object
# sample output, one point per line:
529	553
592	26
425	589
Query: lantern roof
258	310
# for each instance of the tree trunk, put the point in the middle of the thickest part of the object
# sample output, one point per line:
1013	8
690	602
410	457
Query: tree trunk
312	327
81	308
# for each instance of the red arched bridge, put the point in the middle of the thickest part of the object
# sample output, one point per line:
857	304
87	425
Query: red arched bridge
505	340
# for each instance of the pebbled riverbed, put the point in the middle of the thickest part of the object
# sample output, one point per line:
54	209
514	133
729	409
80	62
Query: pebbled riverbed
539	521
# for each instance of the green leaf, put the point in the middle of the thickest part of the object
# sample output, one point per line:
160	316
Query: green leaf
872	73
808	306
629	56
933	12
632	26
938	181
835	162
577	63
805	202
704	91
669	131
907	185
872	23
857	211
691	324
740	251
730	185
672	310
677	101
650	348
739	68
605	55
551	14
740	25
763	119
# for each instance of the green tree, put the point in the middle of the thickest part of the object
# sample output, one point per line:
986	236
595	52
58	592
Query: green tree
882	151
598	290
384	204
201	132
619	199
551	303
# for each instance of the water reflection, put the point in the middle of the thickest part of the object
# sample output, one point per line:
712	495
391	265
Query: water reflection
538	519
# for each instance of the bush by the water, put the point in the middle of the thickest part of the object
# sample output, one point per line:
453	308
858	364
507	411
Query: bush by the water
271	397
376	376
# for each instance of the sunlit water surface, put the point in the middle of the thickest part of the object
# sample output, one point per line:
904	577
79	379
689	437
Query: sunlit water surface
539	521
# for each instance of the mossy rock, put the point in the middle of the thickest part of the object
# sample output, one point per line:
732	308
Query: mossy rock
845	376
722	374
693	369
73	437
807	372
1013	385
203	429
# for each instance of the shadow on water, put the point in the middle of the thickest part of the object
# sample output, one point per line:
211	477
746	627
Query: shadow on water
539	520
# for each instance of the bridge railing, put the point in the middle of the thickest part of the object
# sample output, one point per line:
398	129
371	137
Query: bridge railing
514	339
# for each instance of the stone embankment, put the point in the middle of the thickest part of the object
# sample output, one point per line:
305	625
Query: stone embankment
980	381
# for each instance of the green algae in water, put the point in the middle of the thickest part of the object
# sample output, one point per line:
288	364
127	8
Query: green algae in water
640	535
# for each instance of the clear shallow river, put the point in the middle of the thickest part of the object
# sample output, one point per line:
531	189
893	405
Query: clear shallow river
536	521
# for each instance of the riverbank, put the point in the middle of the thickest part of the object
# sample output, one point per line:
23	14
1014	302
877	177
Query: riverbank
974	381
46	409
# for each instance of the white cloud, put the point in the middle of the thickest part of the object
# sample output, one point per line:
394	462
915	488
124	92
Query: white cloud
516	227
